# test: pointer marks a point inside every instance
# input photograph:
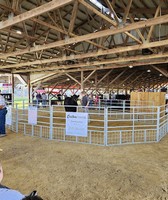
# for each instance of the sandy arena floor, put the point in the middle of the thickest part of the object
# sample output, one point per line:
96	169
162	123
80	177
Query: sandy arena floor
69	171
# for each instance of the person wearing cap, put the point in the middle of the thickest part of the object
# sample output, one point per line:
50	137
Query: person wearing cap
3	112
9	194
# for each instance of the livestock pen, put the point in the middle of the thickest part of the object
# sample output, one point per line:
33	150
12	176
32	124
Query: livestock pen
61	170
107	125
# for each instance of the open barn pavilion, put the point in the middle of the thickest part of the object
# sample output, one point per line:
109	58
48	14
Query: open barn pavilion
99	46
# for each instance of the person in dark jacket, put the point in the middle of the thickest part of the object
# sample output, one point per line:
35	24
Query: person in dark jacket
84	101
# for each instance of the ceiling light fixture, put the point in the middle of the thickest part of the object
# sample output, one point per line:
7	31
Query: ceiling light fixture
148	70
19	32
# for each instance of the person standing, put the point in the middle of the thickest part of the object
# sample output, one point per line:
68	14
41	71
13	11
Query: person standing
44	99
34	98
38	99
90	99
84	101
3	112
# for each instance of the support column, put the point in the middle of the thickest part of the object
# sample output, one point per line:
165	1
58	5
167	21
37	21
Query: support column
13	84
96	82
108	88
29	88
82	84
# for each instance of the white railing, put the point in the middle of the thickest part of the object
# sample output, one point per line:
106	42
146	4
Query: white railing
107	125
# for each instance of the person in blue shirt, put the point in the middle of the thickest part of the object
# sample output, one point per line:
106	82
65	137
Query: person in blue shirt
9	194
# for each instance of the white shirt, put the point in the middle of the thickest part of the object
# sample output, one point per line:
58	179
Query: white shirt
2	101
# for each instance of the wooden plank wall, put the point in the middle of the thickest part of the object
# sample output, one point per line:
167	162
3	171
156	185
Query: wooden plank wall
148	98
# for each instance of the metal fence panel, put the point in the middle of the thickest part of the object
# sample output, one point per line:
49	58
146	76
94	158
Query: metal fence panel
107	126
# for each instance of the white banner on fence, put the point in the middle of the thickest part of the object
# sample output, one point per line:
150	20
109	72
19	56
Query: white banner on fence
77	124
9	116
32	115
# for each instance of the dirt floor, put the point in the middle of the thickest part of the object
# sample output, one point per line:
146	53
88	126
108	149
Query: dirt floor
70	171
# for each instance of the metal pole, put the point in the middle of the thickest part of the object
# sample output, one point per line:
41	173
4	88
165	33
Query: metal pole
133	127
51	122
158	123
123	108
17	121
105	125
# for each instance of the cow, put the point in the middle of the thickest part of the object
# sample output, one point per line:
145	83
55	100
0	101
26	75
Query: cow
70	103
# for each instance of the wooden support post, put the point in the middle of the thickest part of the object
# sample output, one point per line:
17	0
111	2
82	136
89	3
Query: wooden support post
82	83
29	87
13	84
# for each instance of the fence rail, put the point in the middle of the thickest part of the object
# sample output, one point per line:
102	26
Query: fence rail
107	125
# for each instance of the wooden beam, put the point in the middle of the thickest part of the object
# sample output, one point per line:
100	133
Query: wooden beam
59	71
1	43
41	78
162	71
88	6
137	30
15	4
89	75
109	4
102	52
142	10
128	77
71	77
104	76
34	12
142	24
152	27
73	17
82	78
137	77
53	88
120	74
49	78
106	18
56	28
127	11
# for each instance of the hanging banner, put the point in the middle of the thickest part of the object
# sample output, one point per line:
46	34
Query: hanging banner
9	116
32	115
77	124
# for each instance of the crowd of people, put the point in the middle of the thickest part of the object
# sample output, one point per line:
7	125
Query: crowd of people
86	100
40	98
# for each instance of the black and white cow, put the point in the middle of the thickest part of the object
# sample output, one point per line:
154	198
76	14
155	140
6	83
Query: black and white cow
70	103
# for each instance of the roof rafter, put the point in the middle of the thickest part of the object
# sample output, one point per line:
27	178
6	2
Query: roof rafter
34	12
99	53
142	24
